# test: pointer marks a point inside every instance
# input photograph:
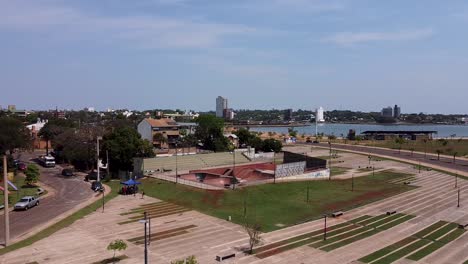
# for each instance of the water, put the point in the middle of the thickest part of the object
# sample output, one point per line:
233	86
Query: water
343	129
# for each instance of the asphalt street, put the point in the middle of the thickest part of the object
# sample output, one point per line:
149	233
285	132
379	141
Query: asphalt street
68	193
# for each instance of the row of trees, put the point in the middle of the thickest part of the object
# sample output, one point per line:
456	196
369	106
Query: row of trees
247	138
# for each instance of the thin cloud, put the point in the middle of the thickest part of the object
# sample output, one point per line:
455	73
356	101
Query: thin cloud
351	38
143	31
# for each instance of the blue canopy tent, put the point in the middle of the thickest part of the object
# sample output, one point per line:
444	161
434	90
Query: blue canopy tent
130	182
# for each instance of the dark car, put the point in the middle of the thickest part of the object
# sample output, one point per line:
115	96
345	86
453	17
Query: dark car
22	166
92	176
68	172
97	186
315	142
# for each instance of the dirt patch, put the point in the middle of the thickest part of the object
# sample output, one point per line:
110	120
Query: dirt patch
360	199
213	197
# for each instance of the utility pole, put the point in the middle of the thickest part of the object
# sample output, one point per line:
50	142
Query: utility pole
5	197
97	149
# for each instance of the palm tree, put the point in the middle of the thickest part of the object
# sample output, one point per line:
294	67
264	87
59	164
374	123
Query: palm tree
439	151
400	142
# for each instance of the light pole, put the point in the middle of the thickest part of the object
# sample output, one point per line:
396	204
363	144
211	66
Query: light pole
456	179
145	222
176	165
5	199
352	182
325	227
97	149
274	163
329	163
458	203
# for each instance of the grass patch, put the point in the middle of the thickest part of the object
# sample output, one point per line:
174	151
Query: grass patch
111	260
335	171
284	203
23	190
444	233
402	252
64	222
386	250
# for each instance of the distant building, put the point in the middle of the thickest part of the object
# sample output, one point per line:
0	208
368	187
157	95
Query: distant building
387	111
167	129
390	135
89	109
37	141
396	111
221	105
229	114
288	114
319	115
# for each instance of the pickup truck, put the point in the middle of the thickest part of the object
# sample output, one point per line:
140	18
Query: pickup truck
26	202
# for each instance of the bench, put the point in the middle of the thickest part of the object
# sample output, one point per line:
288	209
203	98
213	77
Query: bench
224	257
336	214
391	212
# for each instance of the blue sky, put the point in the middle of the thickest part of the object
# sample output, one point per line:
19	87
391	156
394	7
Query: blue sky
261	54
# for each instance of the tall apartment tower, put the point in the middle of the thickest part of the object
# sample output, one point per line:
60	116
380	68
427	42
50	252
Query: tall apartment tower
319	116
221	105
396	111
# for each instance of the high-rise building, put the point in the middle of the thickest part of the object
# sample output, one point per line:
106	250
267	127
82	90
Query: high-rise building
288	114
221	105
319	116
387	111
396	111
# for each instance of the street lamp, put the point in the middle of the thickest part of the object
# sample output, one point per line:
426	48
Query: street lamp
458	203
146	222
97	149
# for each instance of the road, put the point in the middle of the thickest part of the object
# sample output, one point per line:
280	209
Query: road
67	194
444	162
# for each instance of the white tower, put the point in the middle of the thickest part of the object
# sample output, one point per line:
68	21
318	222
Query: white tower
319	115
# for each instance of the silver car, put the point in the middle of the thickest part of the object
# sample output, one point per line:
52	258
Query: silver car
26	202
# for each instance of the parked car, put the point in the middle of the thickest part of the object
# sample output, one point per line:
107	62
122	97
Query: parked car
22	166
92	176
26	202
315	142
97	186
68	172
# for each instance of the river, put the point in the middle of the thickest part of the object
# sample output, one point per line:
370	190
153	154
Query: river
343	129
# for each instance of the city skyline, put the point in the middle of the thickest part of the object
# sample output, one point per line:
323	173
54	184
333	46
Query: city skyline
345	55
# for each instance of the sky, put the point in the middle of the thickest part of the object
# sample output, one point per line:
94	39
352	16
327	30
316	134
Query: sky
260	54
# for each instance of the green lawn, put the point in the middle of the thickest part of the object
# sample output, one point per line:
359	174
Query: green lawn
338	170
23	190
279	205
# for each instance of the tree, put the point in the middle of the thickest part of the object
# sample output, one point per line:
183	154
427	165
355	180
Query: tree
439	151
12	135
272	145
158	137
292	132
124	144
400	141
210	133
52	129
117	245
253	231
188	260
32	174
245	136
